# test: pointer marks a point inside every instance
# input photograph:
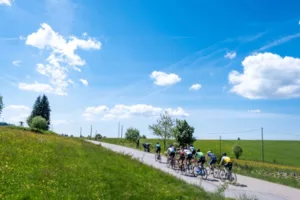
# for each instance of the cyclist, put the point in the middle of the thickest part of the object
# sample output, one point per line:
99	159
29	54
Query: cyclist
157	146
171	151
200	156
213	159
181	156
226	161
192	149
188	155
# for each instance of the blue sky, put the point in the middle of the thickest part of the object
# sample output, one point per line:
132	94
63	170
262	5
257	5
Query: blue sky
226	67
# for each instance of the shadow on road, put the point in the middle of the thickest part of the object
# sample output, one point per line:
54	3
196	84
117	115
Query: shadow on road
239	185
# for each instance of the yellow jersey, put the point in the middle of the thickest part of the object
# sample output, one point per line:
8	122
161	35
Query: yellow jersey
226	159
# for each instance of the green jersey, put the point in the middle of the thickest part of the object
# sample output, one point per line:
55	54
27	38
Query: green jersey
199	154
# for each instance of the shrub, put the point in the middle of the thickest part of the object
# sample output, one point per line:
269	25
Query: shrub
132	134
39	123
237	151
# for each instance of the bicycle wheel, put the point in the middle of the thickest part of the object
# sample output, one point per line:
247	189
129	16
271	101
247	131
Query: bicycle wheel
155	155
159	158
195	169
216	173
232	178
223	175
168	163
203	173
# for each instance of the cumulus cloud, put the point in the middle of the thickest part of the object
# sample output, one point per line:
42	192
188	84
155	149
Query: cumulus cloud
267	76
58	122
84	82
163	79
254	111
195	87
17	107
37	87
121	111
16	113
6	2
61	57
230	55
17	63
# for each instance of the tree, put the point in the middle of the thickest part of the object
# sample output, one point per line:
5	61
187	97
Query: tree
98	136
41	108
1	104
163	128
39	123
21	123
132	134
183	133
45	110
239	138
237	151
144	137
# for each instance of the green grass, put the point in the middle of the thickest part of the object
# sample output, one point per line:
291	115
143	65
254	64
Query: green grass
277	152
45	166
281	158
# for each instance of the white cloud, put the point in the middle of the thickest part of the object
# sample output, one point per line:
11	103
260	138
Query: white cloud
17	63
37	87
230	55
6	2
16	107
178	112
16	113
121	111
254	111
267	76
195	87
62	55
71	81
162	79
84	82
280	41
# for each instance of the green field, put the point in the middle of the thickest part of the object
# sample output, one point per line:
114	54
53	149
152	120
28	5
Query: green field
277	152
43	166
282	162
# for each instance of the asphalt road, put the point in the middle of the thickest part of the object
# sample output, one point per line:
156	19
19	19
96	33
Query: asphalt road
245	185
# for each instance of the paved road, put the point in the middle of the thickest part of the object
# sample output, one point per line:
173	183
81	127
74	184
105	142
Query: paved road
249	186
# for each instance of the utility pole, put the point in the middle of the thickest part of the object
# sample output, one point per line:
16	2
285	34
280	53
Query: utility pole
220	145
262	145
91	130
119	130
122	131
80	131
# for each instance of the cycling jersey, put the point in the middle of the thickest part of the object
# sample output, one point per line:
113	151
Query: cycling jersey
225	159
199	154
187	152
192	148
171	150
157	146
212	156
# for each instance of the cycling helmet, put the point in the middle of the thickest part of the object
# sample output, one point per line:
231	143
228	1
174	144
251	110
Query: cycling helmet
157	142
224	154
208	152
198	150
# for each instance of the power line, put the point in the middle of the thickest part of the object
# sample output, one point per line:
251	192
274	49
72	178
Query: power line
246	131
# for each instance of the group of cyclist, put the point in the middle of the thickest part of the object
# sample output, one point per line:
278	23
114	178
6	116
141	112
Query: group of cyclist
187	153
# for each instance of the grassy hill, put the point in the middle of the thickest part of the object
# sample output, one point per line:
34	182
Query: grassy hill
45	166
277	152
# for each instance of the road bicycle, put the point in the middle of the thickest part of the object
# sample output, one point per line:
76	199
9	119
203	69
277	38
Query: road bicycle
171	162
157	157
200	171
213	171
227	175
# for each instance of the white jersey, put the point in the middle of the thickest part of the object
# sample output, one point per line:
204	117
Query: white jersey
187	151
171	149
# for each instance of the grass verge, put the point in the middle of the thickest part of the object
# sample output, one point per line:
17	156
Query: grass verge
41	166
